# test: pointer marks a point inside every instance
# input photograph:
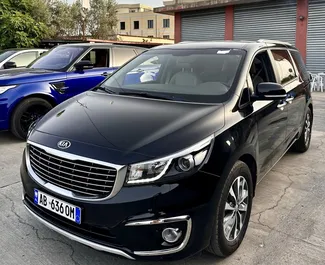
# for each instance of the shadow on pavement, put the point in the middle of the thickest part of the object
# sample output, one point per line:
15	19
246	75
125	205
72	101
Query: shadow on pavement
8	138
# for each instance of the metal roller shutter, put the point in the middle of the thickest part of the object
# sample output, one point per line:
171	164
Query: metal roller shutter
274	20
203	26
316	37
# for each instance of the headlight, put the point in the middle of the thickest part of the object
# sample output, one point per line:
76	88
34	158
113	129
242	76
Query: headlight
5	88
183	161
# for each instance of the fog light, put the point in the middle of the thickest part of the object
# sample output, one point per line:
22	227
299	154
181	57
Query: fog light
186	163
171	235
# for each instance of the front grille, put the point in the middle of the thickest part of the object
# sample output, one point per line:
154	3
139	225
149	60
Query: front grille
81	177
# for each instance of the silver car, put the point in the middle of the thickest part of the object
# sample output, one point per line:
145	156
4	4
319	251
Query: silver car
17	58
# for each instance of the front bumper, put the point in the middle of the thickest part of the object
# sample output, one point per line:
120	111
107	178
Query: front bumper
130	224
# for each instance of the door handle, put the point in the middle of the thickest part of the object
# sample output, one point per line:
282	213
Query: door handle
282	105
289	100
106	74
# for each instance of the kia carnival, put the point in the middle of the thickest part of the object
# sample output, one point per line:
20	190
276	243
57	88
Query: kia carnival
162	159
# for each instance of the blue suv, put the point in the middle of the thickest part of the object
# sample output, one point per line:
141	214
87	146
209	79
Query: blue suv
67	70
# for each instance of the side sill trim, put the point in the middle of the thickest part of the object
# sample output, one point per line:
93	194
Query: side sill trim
79	239
165	221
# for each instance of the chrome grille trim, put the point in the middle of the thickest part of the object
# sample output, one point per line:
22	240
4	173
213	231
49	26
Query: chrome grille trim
74	164
39	170
69	189
32	160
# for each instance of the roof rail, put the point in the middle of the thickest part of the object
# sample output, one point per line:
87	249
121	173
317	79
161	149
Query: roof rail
275	42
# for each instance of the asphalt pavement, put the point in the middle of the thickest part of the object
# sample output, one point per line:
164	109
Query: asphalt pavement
287	222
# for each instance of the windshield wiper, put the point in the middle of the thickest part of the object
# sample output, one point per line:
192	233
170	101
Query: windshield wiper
105	89
144	94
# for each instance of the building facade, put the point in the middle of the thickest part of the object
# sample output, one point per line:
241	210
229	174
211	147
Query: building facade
300	22
140	20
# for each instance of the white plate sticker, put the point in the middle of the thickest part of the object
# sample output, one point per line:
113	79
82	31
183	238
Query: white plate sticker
224	52
57	206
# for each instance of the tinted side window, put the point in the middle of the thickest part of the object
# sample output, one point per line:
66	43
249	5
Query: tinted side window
261	69
284	65
24	59
302	69
122	55
99	57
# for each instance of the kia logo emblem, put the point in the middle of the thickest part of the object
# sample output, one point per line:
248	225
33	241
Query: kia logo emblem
64	144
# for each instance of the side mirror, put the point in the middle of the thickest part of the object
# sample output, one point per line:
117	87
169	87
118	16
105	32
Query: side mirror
269	91
80	66
9	65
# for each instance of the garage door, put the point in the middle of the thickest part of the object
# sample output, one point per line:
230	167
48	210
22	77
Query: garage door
274	20
203	26
316	37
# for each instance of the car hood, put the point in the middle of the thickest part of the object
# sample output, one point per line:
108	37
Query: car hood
19	76
129	125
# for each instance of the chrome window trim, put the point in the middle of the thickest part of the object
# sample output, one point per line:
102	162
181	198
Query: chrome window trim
162	252
79	239
119	181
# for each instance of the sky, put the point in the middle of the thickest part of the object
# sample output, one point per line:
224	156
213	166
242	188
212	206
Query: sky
153	3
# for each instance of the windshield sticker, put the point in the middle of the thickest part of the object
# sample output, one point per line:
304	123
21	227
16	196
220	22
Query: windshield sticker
224	52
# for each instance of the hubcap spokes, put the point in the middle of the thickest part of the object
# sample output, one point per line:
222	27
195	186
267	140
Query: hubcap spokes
307	128
235	208
30	115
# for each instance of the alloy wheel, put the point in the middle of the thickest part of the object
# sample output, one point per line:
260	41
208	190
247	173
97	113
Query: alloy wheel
32	114
307	128
235	208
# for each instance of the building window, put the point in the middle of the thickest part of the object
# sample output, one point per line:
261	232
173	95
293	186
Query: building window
122	25
166	36
136	24
150	36
166	23
150	24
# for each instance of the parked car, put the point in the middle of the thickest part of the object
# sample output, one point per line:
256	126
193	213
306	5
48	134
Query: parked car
174	158
67	70
13	58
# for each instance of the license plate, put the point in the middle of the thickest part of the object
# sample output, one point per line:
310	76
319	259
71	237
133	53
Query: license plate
57	206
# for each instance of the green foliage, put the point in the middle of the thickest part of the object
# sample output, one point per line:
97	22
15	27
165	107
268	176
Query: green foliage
23	23
18	28
102	18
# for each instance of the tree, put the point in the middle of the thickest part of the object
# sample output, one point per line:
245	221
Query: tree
18	28
102	18
65	19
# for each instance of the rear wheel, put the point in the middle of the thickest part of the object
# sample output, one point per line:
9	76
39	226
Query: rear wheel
303	143
233	211
28	111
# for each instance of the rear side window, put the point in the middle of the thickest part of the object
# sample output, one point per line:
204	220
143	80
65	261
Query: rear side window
302	69
122	55
284	66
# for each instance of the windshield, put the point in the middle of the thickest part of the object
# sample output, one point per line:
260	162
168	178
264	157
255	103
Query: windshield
5	54
191	75
59	58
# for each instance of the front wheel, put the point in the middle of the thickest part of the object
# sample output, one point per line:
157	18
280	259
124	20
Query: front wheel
28	111
233	211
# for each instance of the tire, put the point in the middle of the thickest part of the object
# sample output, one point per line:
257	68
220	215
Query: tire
303	143
220	244
26	112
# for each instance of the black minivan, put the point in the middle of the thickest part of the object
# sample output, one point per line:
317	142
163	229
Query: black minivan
161	160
